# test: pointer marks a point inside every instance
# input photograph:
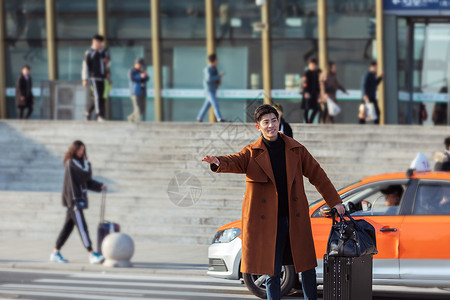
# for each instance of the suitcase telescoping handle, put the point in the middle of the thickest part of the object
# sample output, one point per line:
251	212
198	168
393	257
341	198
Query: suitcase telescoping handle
102	208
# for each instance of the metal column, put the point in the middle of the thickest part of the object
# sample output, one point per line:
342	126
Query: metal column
380	58
210	41
3	105
322	32
51	39
156	58
266	52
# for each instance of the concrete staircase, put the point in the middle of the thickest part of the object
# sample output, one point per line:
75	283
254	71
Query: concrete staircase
158	188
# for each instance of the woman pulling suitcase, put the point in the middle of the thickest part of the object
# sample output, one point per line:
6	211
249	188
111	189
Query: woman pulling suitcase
77	180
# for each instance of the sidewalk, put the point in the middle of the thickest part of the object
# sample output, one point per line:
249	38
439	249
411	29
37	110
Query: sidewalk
148	258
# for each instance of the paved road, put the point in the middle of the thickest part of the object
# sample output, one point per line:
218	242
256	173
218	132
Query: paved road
53	285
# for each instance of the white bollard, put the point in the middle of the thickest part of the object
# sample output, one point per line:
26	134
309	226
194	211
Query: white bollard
117	248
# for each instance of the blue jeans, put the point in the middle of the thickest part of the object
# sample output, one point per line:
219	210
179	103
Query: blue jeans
273	288
211	99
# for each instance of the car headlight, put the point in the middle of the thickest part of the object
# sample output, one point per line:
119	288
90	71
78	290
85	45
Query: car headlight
226	236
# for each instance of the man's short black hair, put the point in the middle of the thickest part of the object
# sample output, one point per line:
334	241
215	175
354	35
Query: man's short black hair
373	63
264	109
212	57
26	67
393	189
312	61
98	37
447	143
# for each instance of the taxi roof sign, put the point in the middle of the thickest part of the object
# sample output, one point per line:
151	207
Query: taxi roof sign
420	163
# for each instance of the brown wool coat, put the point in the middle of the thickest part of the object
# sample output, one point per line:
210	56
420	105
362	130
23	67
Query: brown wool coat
260	205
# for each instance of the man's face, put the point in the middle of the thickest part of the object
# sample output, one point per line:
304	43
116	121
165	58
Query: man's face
392	199
25	71
96	44
268	126
215	63
312	66
137	66
373	69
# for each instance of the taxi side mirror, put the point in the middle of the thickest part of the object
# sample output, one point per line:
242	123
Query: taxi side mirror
326	211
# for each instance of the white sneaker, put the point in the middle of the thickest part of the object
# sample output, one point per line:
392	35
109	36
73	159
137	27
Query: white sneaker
100	119
96	258
58	258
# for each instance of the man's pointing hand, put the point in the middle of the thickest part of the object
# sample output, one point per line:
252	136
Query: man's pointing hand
211	160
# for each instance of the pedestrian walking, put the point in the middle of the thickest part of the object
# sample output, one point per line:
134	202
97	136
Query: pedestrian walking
284	125
138	78
24	93
328	88
77	180
443	158
369	86
310	91
276	228
94	69
211	82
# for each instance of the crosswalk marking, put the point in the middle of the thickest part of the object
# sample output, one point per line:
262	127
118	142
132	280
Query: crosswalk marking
140	284
95	286
78	295
132	292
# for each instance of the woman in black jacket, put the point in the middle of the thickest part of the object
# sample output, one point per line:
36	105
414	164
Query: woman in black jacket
77	180
24	93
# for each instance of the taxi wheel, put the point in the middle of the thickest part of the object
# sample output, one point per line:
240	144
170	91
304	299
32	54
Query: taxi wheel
256	284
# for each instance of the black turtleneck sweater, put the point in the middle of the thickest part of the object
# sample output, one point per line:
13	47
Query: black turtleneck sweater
278	160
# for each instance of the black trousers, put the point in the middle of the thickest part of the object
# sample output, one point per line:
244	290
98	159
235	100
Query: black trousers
22	111
98	88
313	105
377	110
74	218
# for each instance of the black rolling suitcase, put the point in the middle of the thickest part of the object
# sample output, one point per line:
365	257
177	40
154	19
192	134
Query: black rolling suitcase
104	227
347	278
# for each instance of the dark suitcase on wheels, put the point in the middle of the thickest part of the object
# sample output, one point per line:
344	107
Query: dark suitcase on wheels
347	278
104	227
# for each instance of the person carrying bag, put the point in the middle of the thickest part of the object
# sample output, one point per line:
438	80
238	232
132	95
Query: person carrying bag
77	180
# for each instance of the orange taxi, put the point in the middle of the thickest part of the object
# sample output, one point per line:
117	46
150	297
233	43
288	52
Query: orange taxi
411	216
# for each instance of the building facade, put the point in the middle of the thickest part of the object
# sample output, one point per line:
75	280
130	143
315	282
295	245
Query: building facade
262	49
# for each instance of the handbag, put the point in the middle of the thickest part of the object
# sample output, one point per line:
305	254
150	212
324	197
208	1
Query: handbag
371	113
351	238
333	108
80	203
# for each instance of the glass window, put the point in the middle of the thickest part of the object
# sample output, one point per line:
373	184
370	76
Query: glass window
25	44
289	60
293	18
350	63
25	19
351	19
374	200
182	19
432	200
235	19
129	19
76	19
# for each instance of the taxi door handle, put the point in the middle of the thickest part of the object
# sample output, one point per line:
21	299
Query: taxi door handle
388	229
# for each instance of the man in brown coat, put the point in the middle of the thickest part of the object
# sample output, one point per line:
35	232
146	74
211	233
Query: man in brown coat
276	228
